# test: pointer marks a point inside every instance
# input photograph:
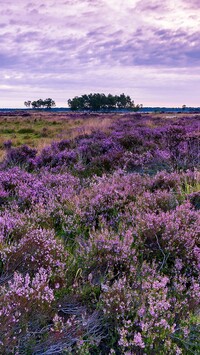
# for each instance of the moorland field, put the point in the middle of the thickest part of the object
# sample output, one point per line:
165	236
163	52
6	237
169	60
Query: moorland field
99	233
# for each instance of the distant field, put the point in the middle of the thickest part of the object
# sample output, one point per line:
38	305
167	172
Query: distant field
39	129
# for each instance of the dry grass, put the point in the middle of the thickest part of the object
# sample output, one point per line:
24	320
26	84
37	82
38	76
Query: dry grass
39	129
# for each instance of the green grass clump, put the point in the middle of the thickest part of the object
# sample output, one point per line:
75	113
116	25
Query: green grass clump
26	130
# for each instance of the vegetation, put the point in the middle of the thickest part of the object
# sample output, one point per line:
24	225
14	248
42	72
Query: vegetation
99	238
97	102
39	128
47	103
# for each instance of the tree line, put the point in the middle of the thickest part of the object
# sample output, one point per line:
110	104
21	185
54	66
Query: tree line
47	103
96	102
91	102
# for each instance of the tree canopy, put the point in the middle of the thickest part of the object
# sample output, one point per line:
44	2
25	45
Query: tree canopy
47	103
96	102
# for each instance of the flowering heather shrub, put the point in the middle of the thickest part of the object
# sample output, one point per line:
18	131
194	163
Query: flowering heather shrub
50	158
16	181
195	199
165	181
173	233
131	141
46	189
41	197
25	302
106	197
7	144
110	251
19	156
145	312
149	148
3	197
96	255
182	143
160	200
12	226
38	249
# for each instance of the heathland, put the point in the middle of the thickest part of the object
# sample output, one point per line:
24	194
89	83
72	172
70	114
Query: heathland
99	233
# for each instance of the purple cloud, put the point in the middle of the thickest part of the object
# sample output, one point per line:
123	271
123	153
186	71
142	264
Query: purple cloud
67	47
192	3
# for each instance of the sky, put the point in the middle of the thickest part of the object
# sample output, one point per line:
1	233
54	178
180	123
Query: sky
147	49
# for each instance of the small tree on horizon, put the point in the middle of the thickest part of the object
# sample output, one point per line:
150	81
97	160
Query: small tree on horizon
37	104
27	103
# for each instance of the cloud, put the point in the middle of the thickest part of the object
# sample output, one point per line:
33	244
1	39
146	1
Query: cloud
87	44
194	4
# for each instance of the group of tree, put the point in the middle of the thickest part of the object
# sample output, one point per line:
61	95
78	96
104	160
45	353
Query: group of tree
91	102
47	103
96	102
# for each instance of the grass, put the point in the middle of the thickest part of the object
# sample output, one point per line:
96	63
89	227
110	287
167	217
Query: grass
40	129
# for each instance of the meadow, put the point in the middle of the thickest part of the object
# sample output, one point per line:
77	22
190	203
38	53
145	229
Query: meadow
99	233
38	130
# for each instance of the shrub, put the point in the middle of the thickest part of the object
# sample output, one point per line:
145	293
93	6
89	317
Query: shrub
25	302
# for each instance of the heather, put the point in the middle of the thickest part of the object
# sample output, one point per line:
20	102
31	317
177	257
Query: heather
100	240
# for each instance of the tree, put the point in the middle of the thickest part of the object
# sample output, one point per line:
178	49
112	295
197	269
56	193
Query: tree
111	101
36	104
74	104
27	103
47	103
97	101
137	107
